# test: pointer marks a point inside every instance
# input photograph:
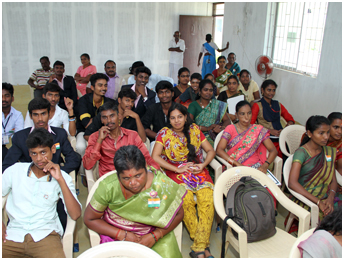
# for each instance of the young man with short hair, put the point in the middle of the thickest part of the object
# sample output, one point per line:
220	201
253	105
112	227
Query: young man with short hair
102	145
66	84
12	119
88	106
33	191
156	114
57	116
40	76
145	96
129	119
192	92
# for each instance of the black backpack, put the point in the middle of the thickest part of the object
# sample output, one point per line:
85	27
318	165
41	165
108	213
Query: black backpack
250	206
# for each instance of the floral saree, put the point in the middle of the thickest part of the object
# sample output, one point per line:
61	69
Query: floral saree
135	215
246	147
222	79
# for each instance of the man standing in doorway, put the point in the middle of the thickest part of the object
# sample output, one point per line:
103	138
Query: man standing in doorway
41	76
209	61
177	48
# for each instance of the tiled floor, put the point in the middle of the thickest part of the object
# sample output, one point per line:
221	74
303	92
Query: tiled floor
22	97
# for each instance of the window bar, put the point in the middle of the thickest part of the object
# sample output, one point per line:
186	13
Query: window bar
274	33
324	15
298	53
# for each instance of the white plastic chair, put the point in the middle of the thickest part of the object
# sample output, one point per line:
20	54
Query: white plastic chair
291	135
278	245
278	162
295	252
120	249
95	238
67	239
339	178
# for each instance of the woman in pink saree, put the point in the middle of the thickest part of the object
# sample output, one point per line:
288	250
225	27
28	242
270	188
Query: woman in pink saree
84	73
247	144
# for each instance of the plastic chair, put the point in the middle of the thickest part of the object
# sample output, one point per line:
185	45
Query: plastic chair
295	252
339	178
278	162
278	245
67	239
291	136
94	236
312	205
147	143
120	249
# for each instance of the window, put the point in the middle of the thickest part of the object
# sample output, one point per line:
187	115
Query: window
294	35
218	13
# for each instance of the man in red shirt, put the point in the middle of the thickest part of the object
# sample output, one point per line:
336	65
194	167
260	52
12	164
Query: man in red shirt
102	145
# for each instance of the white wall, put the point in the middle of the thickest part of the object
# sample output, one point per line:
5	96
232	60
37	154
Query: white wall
123	32
303	96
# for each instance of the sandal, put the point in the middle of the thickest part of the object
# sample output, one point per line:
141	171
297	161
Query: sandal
207	248
194	254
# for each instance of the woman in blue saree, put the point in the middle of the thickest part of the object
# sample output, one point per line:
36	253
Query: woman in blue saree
209	61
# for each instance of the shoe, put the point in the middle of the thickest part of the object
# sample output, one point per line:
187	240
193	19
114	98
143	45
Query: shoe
84	181
218	228
207	248
193	254
76	247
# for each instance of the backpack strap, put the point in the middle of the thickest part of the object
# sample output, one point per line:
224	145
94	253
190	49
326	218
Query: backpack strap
230	198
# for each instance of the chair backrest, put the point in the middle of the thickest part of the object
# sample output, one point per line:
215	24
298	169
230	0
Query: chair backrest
291	136
295	252
119	249
217	139
95	186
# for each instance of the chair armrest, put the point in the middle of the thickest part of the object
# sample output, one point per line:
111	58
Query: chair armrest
339	178
90	179
215	165
67	240
223	161
94	238
72	174
278	164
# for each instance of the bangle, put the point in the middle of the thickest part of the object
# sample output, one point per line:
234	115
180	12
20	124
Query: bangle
71	116
267	163
70	120
229	161
333	191
154	237
318	202
119	230
125	236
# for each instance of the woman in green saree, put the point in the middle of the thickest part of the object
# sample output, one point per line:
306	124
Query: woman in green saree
137	204
210	114
313	170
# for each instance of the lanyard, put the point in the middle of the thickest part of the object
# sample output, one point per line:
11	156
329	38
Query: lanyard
8	119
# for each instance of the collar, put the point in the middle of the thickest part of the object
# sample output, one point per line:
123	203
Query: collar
63	76
133	88
49	129
29	173
10	113
100	104
116	76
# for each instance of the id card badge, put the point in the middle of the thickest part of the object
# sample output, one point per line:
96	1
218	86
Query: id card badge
154	203
5	139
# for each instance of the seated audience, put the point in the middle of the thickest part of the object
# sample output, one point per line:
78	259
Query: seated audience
88	107
211	77
209	114
34	229
138	204
66	84
40	77
267	112
178	150
192	92
232	84
335	139
221	74
247	144
84	73
183	82
249	87
103	145
129	119
156	114
326	241
145	96
12	119
313	170
57	116
39	113
232	65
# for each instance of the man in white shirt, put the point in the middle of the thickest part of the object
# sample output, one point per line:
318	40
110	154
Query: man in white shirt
177	48
33	191
12	119
57	116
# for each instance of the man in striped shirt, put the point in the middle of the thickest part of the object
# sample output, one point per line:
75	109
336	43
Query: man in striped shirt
40	77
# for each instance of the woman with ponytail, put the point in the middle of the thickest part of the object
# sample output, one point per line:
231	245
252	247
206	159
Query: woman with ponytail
313	170
179	151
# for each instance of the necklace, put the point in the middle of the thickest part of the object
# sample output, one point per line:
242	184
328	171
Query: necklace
311	153
200	102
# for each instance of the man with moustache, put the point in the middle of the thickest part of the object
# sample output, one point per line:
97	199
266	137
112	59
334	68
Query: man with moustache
102	145
128	118
115	82
145	96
